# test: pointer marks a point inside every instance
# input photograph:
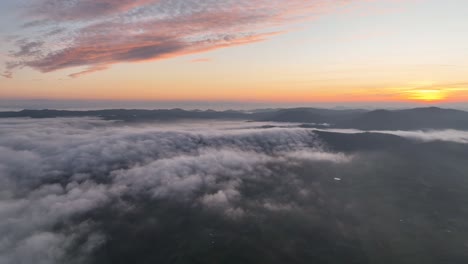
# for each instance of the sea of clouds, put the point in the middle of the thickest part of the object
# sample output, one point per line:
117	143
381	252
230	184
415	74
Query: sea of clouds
52	170
71	187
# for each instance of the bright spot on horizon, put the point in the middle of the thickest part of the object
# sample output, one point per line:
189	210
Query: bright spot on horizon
427	95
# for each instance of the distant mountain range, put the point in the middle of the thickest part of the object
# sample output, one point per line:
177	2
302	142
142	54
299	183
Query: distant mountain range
408	119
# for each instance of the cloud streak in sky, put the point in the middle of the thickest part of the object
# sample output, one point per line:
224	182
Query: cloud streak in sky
96	34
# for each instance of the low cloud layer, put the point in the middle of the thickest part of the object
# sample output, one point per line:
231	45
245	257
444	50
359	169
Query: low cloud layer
450	135
96	34
82	190
53	171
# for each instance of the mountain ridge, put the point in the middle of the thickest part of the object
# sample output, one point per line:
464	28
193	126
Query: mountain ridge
380	119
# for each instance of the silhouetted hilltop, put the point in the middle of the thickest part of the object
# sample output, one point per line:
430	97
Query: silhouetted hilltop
129	115
313	115
408	119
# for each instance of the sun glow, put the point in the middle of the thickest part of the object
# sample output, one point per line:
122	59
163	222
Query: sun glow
427	95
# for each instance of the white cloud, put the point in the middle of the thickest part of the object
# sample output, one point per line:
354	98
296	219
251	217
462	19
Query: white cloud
457	136
449	135
52	170
314	155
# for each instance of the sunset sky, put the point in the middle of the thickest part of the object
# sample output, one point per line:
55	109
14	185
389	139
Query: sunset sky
235	50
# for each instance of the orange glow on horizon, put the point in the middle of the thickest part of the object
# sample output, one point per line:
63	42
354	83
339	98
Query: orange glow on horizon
264	95
211	88
428	95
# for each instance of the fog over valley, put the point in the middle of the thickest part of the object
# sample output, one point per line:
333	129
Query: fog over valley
97	190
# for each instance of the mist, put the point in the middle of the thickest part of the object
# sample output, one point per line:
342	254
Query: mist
86	190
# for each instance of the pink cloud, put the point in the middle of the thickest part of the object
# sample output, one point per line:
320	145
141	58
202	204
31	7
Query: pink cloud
104	32
7	74
91	69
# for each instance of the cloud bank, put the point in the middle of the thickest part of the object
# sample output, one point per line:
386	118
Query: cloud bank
53	172
449	135
83	190
96	34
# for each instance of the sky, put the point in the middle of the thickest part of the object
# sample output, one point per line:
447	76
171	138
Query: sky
288	51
